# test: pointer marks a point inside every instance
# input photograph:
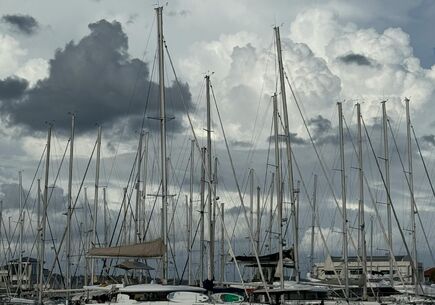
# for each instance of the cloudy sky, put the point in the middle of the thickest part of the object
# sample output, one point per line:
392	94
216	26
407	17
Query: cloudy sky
97	59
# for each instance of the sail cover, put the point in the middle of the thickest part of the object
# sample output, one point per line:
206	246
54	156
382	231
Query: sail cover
154	248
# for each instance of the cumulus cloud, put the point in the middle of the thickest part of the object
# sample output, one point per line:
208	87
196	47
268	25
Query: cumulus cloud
24	24
10	55
371	65
96	79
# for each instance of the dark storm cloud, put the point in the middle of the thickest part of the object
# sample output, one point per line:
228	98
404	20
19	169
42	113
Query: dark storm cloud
96	79
294	139
319	126
12	87
429	139
25	24
357	59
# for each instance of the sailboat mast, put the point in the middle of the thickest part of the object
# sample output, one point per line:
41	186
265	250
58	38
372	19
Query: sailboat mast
258	233
21	224
387	186
144	183
86	246
288	147
44	218
278	191
97	182
313	220
222	273
210	273
202	202
251	201
272	186
38	213
105	218
411	189
138	194
189	243
159	11
361	216
343	200
69	212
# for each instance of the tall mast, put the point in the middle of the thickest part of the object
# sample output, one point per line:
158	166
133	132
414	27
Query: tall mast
105	218
97	182
164	232
85	212
215	206
296	222
313	221
124	224
222	273
272	186
411	189
144	183
258	233
343	200
44	217
188	235
387	186
288	146
192	174
69	212
202	202
138	194
251	201
210	273
21	223
361	216
278	191
38	213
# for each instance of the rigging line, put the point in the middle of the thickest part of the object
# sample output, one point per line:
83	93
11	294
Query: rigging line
254	138
251	237
48	221
176	204
412	194
186	109
130	102
75	202
231	252
179	190
28	193
424	162
322	166
371	196
316	211
268	157
191	247
389	198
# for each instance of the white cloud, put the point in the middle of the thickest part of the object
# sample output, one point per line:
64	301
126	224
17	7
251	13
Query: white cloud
391	72
10	54
33	70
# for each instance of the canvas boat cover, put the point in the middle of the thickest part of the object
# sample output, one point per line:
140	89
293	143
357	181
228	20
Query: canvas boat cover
148	249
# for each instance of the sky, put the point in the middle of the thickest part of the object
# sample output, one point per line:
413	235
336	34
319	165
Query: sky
97	59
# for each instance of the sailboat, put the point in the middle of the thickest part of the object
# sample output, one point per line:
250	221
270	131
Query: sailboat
153	292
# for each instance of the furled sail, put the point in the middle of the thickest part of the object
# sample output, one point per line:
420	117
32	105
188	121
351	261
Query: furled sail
154	248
